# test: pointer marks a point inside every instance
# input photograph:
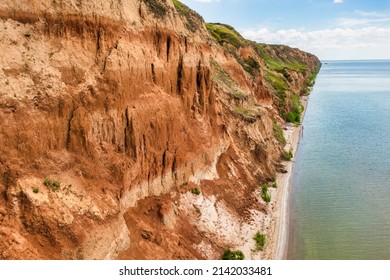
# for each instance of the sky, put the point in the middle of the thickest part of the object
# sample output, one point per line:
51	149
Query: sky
330	29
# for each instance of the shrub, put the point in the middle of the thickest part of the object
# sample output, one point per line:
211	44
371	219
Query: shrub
158	9
264	193
47	182
296	110
226	82
35	190
288	155
260	240
248	114
278	132
56	185
233	255
250	65
53	185
195	191
294	117
278	84
191	16
197	209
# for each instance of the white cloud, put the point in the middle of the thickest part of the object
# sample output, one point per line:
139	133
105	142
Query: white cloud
336	43
351	22
369	14
338	1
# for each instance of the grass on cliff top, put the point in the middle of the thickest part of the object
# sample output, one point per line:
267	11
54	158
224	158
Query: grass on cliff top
223	33
190	15
231	40
276	57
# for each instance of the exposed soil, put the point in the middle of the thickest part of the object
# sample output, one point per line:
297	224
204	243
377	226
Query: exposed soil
127	111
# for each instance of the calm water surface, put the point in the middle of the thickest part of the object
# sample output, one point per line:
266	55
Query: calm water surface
340	202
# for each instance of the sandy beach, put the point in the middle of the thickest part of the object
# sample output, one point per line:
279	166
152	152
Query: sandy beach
278	232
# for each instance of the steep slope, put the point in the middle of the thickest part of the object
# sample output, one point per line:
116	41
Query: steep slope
124	124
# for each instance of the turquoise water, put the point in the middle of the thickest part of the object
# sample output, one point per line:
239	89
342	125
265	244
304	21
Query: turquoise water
340	200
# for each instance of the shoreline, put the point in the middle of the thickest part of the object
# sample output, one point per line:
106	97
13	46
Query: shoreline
278	233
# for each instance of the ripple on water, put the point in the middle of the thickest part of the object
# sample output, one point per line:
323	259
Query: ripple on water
340	202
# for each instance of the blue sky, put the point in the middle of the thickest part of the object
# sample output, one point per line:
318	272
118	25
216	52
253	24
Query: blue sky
330	29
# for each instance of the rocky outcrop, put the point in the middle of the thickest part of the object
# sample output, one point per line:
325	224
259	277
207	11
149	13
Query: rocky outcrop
114	112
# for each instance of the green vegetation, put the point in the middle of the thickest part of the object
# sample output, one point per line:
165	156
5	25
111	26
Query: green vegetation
157	8
278	84
223	79
47	182
277	58
294	117
27	35
313	77
250	111
225	34
295	113
197	210
310	82
285	66
231	40
248	114
274	185
260	240
195	191
250	65
288	155
53	185
191	16
233	255
282	62
56	185
264	193
35	189
278	132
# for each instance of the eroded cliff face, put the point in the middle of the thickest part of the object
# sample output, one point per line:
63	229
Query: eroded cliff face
124	125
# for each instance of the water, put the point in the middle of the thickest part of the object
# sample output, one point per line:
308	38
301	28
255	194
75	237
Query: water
340	201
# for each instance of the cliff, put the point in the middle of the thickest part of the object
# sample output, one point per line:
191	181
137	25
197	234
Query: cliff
131	129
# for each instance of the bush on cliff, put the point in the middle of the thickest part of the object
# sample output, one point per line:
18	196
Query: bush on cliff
190	16
223	33
264	193
158	9
233	255
278	132
260	240
296	110
288	155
